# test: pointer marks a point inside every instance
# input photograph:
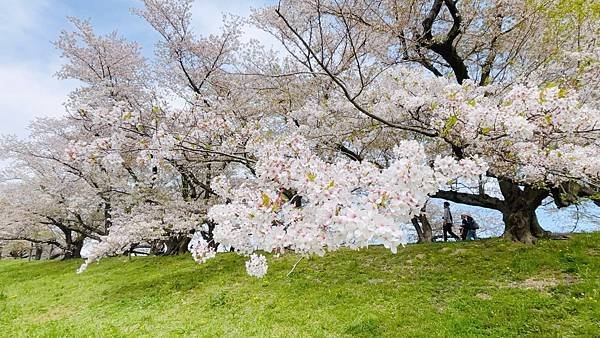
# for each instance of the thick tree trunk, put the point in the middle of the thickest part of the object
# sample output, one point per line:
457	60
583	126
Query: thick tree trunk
72	253
175	245
178	245
520	221
73	249
523	226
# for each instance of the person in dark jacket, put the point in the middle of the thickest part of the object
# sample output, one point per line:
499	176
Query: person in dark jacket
463	227
468	227
447	225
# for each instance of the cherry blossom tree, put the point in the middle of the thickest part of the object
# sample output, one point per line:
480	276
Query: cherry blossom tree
370	109
232	115
46	200
526	107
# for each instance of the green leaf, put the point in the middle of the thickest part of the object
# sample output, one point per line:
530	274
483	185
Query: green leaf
450	123
266	200
562	93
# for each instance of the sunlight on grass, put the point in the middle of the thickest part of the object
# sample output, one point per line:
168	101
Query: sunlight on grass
457	289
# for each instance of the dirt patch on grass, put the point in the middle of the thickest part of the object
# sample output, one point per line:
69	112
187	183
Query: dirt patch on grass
459	252
536	284
440	308
375	281
54	313
483	295
593	252
543	284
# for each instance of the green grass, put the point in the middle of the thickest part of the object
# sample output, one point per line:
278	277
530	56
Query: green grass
485	288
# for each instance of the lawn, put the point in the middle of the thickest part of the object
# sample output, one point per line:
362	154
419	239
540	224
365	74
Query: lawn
484	288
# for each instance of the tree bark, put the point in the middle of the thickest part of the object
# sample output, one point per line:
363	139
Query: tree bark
523	226
518	212
415	222
38	252
174	245
74	247
423	227
178	245
426	227
73	252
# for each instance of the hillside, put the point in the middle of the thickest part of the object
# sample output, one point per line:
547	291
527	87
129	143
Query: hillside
489	287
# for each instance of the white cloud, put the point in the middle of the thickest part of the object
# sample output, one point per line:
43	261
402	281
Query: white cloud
207	16
18	16
27	92
28	61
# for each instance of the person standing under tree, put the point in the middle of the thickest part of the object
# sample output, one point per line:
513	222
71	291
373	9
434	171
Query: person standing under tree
447	227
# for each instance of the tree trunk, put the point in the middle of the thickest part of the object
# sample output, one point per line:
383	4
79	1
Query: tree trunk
38	252
73	248
426	227
423	228
72	253
520	221
178	245
175	245
522	226
415	222
208	234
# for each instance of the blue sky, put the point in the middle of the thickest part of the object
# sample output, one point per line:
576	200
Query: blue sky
28	60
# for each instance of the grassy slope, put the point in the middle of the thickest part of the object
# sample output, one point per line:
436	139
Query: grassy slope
457	289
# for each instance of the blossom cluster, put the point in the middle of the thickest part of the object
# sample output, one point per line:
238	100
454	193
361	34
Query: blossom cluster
299	202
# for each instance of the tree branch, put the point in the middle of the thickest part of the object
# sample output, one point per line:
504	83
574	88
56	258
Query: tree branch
485	201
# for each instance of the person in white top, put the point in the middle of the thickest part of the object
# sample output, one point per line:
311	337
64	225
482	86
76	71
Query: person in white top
447	227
